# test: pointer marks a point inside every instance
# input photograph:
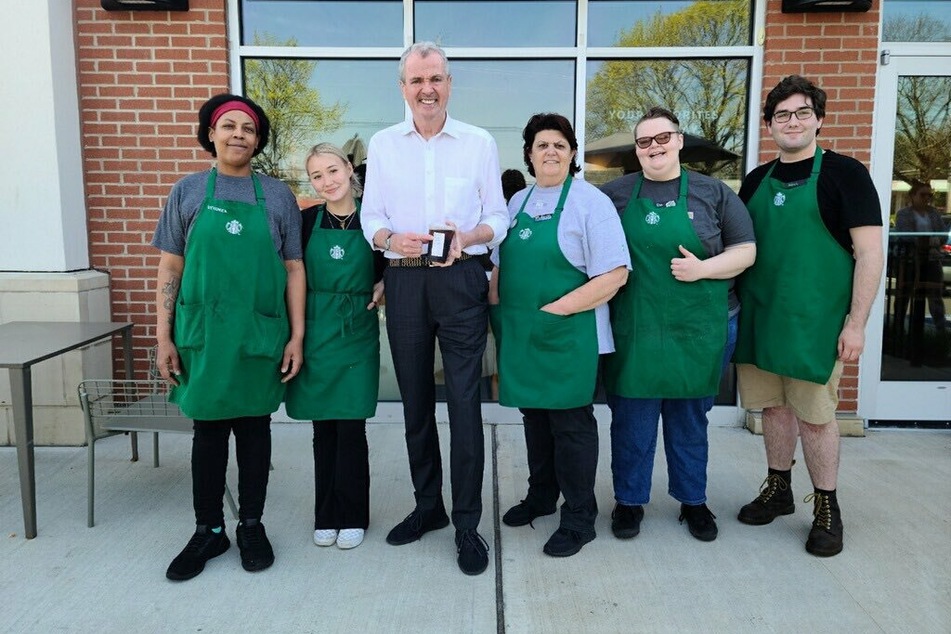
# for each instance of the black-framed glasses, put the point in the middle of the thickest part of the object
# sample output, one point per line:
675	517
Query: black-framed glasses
644	142
801	113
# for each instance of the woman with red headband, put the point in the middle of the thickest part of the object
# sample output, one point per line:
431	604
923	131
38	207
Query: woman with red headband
230	322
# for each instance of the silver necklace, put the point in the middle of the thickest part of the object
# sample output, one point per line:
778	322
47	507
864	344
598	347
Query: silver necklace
344	222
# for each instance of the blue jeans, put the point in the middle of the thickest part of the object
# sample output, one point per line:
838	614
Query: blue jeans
634	441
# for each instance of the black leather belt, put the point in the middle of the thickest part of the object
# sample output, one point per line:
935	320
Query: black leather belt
422	261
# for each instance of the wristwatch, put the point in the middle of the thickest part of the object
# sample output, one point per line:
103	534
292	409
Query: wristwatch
386	243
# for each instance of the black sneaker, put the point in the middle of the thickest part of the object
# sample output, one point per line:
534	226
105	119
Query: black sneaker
256	551
775	499
417	524
473	552
524	513
699	521
626	520
825	537
203	545
565	542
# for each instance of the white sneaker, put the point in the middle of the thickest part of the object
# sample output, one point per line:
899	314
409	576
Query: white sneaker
325	536
350	538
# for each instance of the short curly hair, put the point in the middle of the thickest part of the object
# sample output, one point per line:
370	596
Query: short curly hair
549	121
209	107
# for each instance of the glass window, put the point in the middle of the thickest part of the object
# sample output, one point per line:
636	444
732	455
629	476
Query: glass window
709	96
645	23
916	20
500	96
916	343
547	23
309	101
320	23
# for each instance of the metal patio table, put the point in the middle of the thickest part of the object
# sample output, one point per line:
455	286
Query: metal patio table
25	343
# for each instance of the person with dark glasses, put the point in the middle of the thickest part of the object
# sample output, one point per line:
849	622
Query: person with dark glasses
674	323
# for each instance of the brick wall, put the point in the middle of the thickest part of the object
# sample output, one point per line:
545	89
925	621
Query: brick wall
839	51
142	76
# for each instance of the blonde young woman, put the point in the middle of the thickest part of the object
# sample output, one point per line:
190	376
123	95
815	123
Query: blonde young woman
338	385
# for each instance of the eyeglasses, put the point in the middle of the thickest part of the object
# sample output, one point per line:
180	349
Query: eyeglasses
801	113
644	142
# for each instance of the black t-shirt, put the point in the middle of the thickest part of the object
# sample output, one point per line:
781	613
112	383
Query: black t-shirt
309	219
847	197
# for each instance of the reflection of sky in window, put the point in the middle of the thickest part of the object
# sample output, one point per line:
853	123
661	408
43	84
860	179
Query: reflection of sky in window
484	93
938	10
367	23
550	23
608	18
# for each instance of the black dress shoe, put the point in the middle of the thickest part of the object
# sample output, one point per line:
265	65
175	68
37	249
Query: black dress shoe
524	513
566	542
417	524
473	552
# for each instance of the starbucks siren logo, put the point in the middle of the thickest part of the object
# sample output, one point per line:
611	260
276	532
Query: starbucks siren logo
525	233
337	252
779	199
652	218
234	227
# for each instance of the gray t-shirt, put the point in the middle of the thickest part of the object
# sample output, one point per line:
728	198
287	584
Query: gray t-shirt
719	217
589	235
188	194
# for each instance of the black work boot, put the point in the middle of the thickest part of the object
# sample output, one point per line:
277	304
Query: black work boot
825	538
775	499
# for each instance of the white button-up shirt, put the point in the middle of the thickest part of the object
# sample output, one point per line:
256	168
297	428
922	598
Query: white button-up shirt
413	183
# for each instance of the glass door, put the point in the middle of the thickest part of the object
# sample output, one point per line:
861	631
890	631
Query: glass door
906	369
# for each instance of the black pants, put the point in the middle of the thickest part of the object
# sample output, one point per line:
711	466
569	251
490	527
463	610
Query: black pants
448	304
562	447
252	440
341	474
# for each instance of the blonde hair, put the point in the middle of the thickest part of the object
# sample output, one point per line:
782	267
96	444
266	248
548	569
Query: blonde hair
329	148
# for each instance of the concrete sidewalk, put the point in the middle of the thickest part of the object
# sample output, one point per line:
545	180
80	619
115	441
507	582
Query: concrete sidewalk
893	576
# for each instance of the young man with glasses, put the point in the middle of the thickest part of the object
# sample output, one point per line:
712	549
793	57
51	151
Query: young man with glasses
806	302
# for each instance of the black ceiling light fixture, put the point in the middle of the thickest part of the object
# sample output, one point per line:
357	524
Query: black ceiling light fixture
144	5
820	6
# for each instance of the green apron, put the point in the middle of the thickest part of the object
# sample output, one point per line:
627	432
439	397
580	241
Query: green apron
340	378
669	336
231	321
795	297
546	361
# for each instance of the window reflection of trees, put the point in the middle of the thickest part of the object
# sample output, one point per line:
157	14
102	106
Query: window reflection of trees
923	129
298	114
920	27
708	95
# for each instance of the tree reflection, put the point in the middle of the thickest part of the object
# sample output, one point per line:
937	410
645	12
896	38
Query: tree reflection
281	86
708	95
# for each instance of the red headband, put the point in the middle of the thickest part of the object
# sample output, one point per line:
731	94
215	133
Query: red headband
234	104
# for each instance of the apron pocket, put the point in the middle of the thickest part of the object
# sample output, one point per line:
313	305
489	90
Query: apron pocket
265	336
190	326
553	333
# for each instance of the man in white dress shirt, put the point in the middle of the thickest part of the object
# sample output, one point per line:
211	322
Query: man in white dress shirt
433	170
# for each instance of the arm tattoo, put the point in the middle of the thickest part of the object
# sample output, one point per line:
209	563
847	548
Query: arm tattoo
170	291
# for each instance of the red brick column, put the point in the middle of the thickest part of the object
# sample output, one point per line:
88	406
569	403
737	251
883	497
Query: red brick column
142	76
839	51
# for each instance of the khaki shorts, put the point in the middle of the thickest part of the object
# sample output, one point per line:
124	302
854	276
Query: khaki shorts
811	402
